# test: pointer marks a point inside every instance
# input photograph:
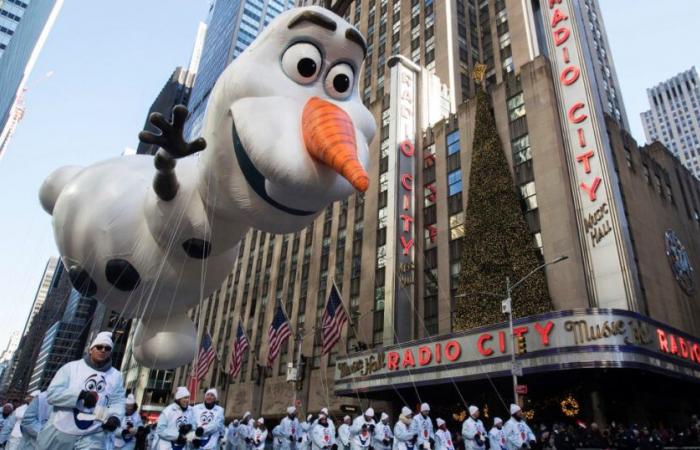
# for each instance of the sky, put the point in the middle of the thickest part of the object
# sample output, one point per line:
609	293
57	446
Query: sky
110	60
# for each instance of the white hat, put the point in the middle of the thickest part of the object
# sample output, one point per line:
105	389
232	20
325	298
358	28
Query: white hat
424	407
406	411
130	400
103	338
497	421
514	408
212	391
473	410
291	409
347	418
309	417
181	392
369	412
247	413
324	411
322	415
8	405
385	416
440	422
261	421
35	393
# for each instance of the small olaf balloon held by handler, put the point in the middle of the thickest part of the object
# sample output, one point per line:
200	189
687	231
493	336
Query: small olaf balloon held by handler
285	135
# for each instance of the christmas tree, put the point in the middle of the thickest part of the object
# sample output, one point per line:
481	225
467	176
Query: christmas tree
497	242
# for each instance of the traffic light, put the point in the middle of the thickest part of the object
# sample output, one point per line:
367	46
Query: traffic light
521	347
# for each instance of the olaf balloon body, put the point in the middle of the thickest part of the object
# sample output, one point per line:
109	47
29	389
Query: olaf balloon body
285	135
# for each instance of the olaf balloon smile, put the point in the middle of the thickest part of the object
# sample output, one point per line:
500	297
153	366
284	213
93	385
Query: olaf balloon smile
285	135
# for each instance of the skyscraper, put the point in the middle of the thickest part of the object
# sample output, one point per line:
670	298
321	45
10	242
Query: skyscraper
56	298
674	117
63	341
11	12
17	60
231	27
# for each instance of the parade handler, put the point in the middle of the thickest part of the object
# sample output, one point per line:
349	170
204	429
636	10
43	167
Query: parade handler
88	399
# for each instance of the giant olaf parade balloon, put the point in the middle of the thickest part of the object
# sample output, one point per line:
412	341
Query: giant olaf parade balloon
285	135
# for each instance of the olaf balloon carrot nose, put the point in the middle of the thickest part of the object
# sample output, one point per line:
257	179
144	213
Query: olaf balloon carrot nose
329	136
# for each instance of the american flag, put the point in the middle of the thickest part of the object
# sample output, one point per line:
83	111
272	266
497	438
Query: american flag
334	317
205	358
240	345
279	331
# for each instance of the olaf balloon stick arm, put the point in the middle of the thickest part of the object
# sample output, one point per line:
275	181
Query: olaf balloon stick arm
172	146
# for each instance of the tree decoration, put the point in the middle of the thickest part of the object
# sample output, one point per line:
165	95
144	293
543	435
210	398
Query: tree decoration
529	414
460	416
497	242
570	406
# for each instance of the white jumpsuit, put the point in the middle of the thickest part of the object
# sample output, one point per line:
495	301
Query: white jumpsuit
71	424
517	434
212	422
361	439
474	434
168	428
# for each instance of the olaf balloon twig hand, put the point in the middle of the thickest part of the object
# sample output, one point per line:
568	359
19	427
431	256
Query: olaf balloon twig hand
284	136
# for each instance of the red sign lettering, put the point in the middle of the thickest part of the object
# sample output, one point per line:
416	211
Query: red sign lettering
392	360
408	359
480	344
452	351
406	245
591	190
583	158
407	181
581	138
573	118
407	221
502	341
663	343
557	17
438	355
424	356
519	331
407	148
561	35
544	332
569	75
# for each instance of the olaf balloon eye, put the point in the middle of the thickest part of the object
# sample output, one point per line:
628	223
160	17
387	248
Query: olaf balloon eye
339	81
302	62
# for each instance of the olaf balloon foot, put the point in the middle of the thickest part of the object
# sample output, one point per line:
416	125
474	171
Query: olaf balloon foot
165	342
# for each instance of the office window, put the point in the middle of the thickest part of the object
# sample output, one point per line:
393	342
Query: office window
454	182
452	140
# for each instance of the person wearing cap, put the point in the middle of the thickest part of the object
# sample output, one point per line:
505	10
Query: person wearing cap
423	427
209	419
245	428
7	423
321	434
362	430
518	433
16	433
258	435
287	434
125	435
344	434
34	419
473	431
176	423
443	437
87	399
328	417
497	437
382	437
304	429
405	436
231	437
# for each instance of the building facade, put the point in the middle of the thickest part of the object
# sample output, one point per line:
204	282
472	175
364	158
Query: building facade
64	341
674	117
16	383
231	27
584	195
18	58
11	12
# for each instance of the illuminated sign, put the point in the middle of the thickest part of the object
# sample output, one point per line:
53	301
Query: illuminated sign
400	264
558	340
603	245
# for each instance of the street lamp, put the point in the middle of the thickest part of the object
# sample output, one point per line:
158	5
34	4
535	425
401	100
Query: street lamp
507	307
